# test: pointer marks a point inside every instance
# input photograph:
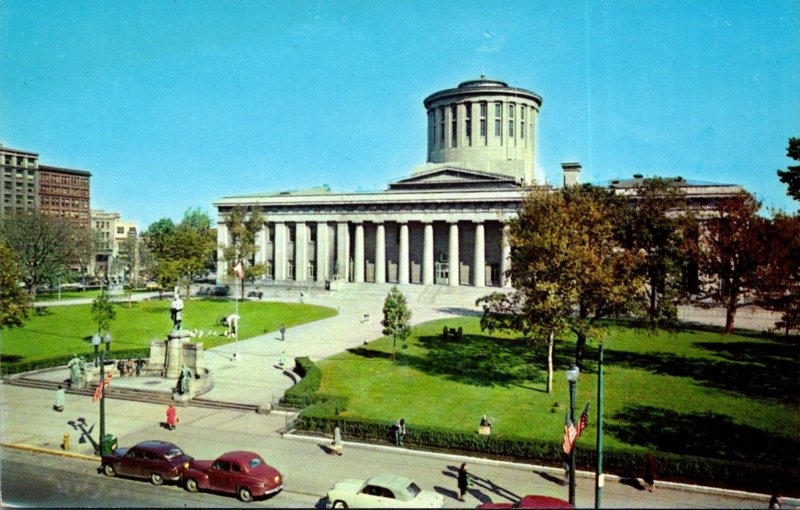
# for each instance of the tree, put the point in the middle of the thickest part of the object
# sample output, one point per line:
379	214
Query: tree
656	223
791	176
44	246
14	301
569	262
778	282
396	318
243	226
729	254
103	311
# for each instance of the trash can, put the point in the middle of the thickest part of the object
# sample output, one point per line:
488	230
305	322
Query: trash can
108	443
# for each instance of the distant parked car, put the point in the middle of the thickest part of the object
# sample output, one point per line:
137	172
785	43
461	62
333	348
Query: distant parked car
382	491
156	460
152	286
242	473
531	502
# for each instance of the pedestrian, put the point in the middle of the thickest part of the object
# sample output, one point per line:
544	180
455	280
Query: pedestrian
282	360
61	396
650	472
337	440
463	481
139	365
233	324
172	417
283	332
399	431
775	502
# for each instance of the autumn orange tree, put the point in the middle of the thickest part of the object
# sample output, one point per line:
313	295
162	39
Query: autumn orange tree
730	252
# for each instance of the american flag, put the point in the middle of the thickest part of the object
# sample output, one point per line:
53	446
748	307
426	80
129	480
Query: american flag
583	422
570	434
239	270
98	393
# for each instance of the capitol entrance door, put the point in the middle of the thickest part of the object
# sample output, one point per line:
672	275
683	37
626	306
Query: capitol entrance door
441	273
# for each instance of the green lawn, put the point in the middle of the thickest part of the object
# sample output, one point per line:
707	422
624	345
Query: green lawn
695	392
64	330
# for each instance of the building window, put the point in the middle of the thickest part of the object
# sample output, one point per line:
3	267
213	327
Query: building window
497	127
453	126
431	127
498	109
468	122
441	127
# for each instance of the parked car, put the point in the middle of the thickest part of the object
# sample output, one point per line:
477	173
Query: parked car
242	473
382	491
156	460
531	501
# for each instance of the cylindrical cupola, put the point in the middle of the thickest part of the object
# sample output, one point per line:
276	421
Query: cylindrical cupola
485	125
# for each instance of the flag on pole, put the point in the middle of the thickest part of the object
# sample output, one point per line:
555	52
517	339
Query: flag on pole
583	422
570	434
239	270
98	393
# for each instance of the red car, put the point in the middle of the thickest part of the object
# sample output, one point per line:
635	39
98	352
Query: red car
531	502
242	473
156	460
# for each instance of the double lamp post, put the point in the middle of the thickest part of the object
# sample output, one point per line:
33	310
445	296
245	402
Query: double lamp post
101	358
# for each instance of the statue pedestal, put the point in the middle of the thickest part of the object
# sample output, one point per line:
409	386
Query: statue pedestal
174	343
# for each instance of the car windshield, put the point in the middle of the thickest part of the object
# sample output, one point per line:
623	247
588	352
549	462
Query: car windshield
413	489
172	453
255	462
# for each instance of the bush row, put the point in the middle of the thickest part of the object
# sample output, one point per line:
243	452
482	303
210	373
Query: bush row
304	393
18	367
324	413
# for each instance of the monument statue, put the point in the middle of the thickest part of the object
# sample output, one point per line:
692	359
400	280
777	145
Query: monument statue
77	370
186	376
176	311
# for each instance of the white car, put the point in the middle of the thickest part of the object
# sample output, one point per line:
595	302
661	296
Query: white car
382	491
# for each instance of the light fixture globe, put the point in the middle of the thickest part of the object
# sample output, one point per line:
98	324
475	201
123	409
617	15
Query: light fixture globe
107	338
572	373
95	339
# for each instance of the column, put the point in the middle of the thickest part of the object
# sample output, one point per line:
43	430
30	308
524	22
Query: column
300	251
505	259
427	255
280	251
479	260
343	251
322	251
452	256
222	242
380	253
403	255
358	257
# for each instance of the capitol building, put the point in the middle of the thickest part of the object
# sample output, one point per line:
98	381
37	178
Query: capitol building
442	225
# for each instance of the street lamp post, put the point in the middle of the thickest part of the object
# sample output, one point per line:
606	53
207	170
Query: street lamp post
107	341
572	378
599	478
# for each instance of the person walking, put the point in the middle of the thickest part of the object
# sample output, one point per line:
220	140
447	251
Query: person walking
282	360
61	397
399	431
172	417
337	440
650	472
463	481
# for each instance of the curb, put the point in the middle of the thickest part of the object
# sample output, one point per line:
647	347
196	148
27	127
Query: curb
789	502
50	451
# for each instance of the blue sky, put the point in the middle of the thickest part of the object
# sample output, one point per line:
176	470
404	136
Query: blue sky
174	104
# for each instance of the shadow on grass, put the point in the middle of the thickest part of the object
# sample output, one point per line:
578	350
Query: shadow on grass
478	360
707	434
751	369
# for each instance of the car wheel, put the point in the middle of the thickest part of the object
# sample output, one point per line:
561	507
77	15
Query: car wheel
191	485
245	495
339	504
156	479
108	470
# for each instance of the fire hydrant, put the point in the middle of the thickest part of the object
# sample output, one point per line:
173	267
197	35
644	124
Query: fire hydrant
65	442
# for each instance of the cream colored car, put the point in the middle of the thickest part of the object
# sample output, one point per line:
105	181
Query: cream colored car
382	491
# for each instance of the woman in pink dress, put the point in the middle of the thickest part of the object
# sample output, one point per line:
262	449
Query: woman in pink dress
172	417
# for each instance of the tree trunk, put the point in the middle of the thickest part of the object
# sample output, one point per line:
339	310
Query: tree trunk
580	348
550	363
730	314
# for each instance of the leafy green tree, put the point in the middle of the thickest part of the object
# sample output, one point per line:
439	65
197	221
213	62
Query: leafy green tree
791	176
656	225
243	225
45	246
14	300
396	318
730	254
103	311
569	261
